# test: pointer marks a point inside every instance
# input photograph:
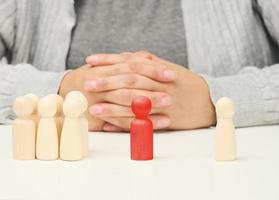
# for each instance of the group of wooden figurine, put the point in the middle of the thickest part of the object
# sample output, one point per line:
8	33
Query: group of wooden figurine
49	129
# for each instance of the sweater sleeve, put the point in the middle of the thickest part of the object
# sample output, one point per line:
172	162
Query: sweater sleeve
22	78
255	91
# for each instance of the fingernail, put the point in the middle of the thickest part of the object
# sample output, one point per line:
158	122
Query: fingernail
165	101
163	123
90	85
96	110
169	74
92	59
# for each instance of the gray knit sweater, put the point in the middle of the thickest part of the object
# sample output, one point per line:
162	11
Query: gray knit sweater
232	44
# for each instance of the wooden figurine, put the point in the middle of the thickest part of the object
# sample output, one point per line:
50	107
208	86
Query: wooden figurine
141	130
23	129
71	144
225	141
83	120
47	136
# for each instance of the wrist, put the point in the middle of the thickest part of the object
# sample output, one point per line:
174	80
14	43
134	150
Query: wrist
208	106
64	84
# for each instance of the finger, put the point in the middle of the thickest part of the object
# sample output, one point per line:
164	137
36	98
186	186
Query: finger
144	54
125	97
163	62
110	110
110	59
112	128
153	57
94	123
107	59
159	122
156	61
142	67
134	81
127	53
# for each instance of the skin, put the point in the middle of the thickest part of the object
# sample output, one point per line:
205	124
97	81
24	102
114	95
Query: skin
180	98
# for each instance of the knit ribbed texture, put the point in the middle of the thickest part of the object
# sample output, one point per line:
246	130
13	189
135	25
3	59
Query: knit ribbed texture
37	33
227	44
232	44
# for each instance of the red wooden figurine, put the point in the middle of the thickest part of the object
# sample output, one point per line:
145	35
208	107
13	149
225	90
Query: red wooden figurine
141	130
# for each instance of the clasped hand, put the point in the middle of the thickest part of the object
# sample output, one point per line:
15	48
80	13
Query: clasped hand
179	97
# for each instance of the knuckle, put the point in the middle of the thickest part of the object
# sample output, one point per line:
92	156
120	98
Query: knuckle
131	80
93	73
154	73
126	56
134	66
125	95
154	99
150	70
103	84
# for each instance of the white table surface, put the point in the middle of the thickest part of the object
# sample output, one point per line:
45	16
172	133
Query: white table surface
183	168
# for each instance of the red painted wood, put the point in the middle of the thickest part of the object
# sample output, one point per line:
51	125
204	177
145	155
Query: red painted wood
141	130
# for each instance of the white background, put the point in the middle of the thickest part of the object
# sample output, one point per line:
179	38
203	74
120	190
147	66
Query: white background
183	168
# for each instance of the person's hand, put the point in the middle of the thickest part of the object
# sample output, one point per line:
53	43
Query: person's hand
191	106
87	79
74	80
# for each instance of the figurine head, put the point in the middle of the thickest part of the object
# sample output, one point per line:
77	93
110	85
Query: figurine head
141	106
72	107
23	106
80	97
225	108
47	107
